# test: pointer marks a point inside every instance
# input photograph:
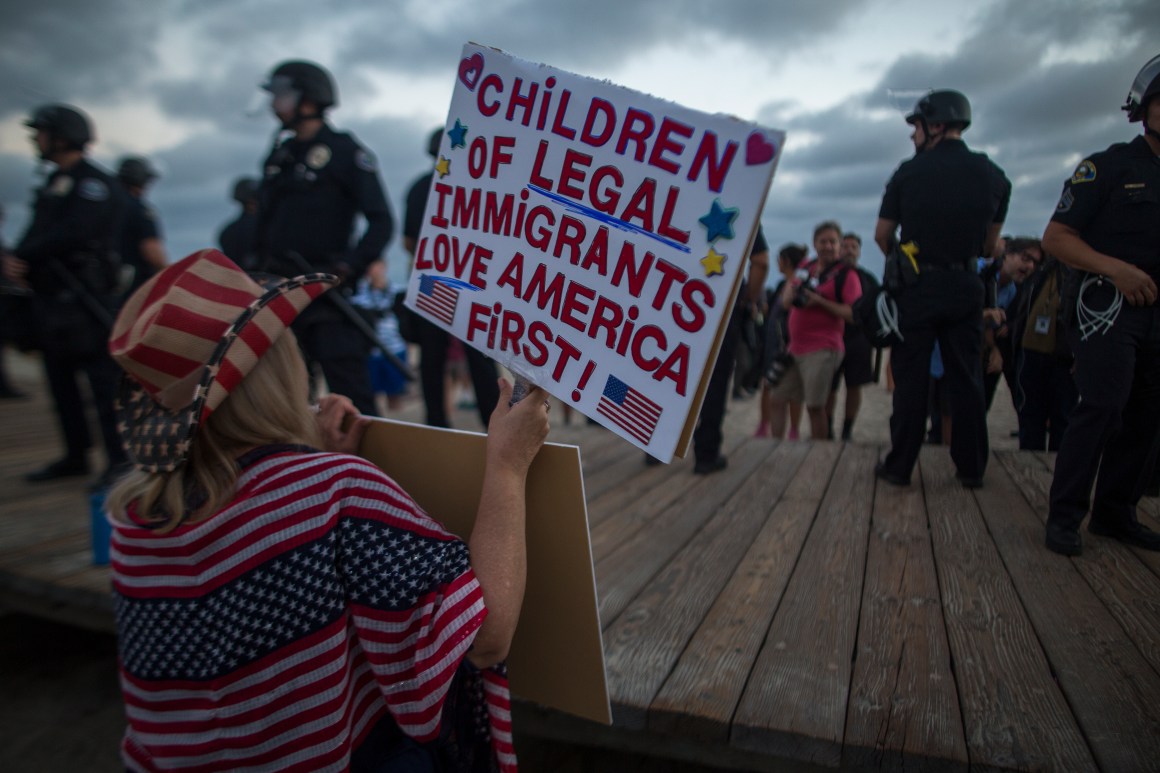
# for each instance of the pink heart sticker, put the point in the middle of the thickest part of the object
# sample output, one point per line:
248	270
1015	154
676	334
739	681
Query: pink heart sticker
470	69
759	150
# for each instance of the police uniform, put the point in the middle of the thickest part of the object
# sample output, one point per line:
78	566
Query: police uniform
77	214
1113	202
434	341
707	435
945	199
237	239
311	193
140	223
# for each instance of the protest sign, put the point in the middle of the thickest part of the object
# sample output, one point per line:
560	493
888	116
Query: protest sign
590	238
557	655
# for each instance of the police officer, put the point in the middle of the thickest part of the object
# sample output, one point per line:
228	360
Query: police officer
433	340
1107	226
67	259
141	245
317	180
237	238
950	203
707	436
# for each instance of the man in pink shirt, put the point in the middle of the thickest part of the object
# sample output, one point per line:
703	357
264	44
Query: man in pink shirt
820	297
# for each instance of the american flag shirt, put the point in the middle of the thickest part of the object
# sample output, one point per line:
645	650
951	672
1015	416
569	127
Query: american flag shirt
275	634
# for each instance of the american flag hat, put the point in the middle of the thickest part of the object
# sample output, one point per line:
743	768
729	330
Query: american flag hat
186	338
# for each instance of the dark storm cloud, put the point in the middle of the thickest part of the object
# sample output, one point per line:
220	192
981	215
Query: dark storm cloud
77	51
599	34
1035	112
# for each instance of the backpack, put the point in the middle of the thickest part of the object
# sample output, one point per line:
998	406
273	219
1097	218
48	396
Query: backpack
863	325
1043	331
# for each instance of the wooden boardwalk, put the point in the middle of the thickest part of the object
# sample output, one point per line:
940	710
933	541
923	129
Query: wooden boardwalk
787	612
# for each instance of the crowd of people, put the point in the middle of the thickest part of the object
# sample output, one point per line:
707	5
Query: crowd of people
254	555
1069	321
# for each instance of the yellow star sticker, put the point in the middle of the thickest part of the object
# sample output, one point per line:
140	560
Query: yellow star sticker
443	167
714	263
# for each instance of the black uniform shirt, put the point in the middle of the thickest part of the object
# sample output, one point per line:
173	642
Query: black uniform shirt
310	194
416	206
237	240
1113	201
140	223
945	199
76	215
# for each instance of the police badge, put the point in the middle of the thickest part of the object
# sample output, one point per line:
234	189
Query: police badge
318	156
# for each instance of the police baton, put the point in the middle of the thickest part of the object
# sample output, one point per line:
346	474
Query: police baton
78	288
339	301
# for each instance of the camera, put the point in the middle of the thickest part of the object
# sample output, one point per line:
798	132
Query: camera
777	367
800	299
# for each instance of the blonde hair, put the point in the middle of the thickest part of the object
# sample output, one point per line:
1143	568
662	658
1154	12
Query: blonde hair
269	406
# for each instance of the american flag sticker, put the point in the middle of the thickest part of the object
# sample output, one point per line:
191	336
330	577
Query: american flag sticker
629	409
437	298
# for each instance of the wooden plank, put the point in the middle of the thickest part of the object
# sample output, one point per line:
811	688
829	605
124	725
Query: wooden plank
646	640
598	446
663	754
626	463
1013	712
622	573
1032	476
699	698
619	514
1148	513
904	711
634	481
1125	579
795	703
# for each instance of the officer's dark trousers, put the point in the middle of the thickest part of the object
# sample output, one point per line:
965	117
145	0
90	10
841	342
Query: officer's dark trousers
1115	428
947	306
1045	399
433	343
341	352
103	375
707	435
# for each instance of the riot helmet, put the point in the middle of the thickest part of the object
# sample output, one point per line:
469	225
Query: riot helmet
944	106
135	172
304	80
63	123
245	190
1144	87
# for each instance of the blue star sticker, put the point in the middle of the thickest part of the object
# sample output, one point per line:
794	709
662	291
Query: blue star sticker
457	135
719	221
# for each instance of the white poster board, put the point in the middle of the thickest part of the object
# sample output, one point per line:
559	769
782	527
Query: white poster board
590	238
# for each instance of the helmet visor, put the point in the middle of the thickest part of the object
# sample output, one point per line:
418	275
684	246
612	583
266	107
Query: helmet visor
279	94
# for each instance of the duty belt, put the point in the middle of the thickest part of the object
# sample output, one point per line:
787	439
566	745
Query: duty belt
967	264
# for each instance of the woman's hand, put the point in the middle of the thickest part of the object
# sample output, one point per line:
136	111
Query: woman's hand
341	425
515	433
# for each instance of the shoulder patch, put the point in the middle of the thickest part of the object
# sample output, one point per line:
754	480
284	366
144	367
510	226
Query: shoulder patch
1084	173
365	161
1065	201
93	189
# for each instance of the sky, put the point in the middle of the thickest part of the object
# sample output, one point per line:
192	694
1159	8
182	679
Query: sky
177	81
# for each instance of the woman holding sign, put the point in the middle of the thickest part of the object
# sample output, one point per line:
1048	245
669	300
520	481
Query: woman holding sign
283	606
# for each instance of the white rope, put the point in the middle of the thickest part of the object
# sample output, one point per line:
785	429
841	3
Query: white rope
887	311
1090	320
